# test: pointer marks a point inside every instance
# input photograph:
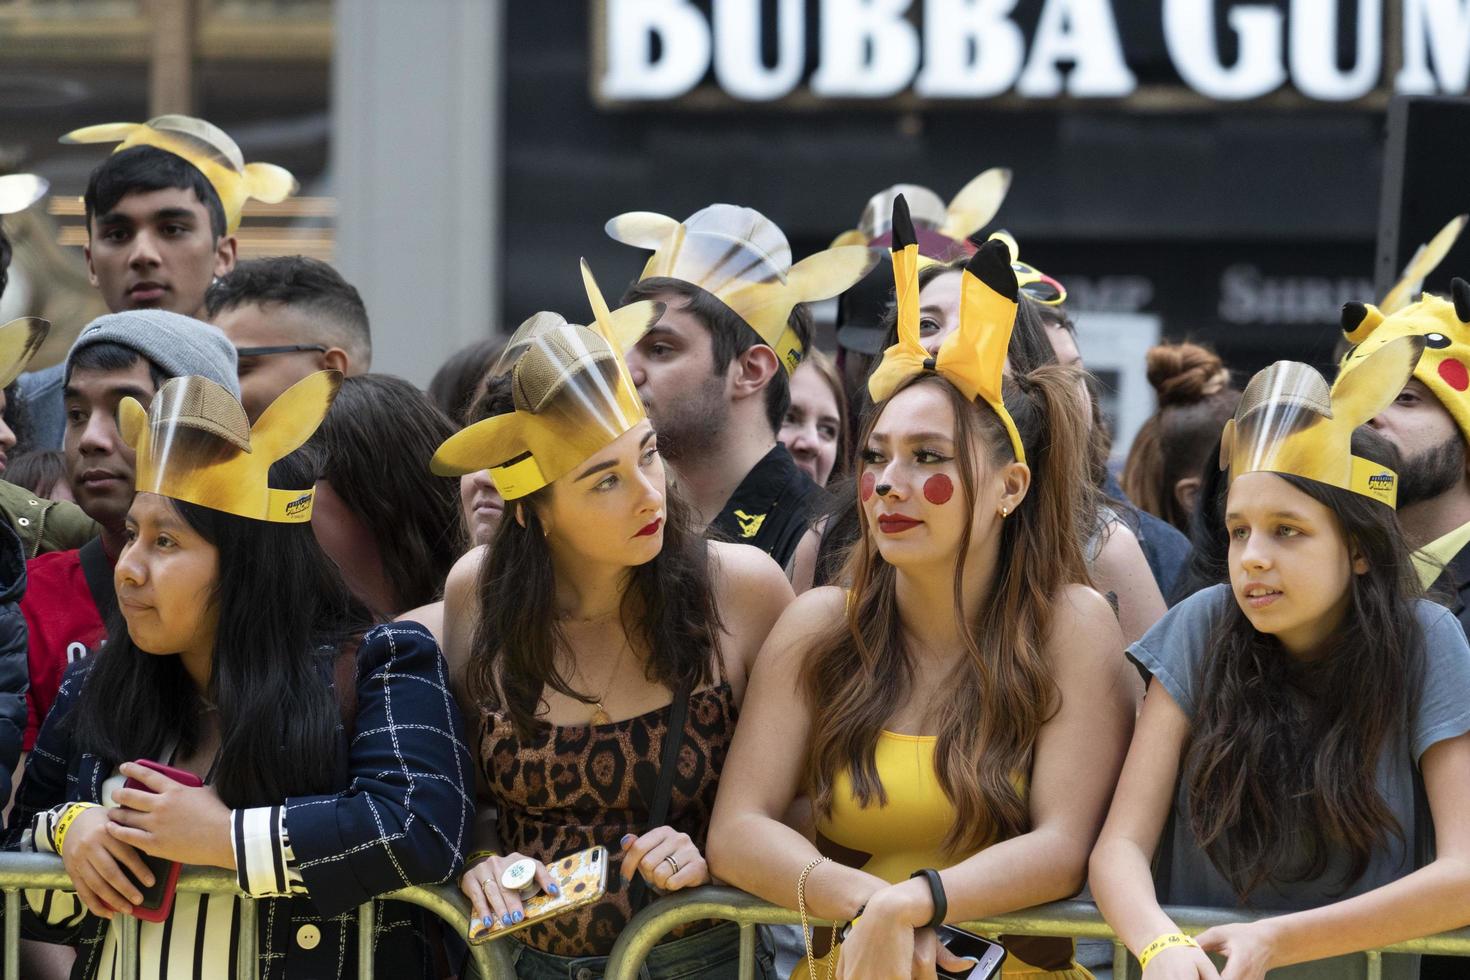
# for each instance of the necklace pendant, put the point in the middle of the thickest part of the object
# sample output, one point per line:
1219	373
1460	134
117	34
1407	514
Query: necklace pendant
600	716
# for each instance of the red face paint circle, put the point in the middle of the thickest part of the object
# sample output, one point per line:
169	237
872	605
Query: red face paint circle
1454	374
866	484
938	489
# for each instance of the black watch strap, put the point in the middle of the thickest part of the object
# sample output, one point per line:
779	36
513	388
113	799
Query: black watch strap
936	891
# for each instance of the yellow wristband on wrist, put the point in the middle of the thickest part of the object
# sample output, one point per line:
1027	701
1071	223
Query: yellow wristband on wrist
64	822
1156	947
478	856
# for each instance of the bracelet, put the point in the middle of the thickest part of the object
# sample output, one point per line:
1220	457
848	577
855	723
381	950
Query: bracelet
1156	947
936	892
474	856
64	822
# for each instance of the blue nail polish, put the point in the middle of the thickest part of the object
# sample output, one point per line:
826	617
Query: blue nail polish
518	916
627	839
486	920
553	890
506	919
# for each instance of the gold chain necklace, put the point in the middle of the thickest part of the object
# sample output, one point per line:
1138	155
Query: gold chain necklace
600	716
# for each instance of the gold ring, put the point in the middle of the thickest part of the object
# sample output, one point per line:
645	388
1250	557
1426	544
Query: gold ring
486	884
674	864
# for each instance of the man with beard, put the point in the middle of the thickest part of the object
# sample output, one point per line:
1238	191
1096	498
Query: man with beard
714	369
1429	424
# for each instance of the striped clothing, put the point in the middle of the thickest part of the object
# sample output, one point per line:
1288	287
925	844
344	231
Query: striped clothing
403	819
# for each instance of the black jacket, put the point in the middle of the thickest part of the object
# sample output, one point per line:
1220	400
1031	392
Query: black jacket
1452	588
14	666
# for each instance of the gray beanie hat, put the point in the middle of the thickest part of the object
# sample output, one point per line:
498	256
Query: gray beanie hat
179	345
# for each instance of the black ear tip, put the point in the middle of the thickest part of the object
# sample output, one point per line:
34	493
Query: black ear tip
1460	292
991	264
902	225
1353	315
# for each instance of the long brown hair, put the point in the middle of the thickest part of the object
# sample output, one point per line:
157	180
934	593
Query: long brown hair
1281	764
1001	692
668	606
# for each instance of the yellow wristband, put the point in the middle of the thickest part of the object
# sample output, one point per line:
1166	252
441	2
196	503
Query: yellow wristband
478	856
64	822
1156	947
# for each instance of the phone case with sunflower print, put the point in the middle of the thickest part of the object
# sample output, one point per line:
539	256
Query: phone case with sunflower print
582	878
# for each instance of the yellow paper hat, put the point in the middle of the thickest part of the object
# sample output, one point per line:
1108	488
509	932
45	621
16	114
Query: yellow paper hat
19	341
973	358
20	191
195	444
1426	259
1289	422
209	149
974	207
573	396
741	258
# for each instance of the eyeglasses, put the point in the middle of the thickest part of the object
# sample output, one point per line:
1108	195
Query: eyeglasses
278	349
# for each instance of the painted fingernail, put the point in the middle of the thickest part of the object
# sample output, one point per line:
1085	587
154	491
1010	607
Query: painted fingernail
485	921
518	917
553	890
627	839
506	919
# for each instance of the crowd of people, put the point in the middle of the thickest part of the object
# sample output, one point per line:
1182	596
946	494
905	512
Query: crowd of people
874	634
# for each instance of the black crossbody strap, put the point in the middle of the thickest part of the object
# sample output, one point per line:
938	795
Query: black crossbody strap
98	572
658	813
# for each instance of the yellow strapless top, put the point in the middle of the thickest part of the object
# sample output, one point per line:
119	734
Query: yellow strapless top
907	832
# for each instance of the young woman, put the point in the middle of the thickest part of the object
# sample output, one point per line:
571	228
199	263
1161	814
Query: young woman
1296	714
332	765
594	616
815	428
965	706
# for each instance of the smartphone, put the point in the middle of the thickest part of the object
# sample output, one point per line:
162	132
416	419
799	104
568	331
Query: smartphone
988	955
158	900
582	878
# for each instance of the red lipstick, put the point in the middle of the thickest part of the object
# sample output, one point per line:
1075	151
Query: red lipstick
650	529
896	523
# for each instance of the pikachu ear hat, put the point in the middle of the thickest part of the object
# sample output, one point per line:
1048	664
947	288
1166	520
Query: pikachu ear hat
742	259
973	358
195	444
1289	422
19	341
209	149
573	397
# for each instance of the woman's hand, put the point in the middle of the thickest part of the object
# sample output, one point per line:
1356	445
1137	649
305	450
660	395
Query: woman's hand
884	948
667	859
1249	948
1180	963
481	885
95	859
180	823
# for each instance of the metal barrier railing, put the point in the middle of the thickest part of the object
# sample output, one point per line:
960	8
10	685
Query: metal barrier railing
1079	920
21	871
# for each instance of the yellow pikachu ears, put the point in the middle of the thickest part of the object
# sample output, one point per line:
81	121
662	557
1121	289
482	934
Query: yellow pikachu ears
977	203
195	444
209	149
19	341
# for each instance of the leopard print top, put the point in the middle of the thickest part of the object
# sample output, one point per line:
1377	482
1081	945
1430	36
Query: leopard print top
576	786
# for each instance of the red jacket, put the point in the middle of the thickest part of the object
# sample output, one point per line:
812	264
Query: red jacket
63	625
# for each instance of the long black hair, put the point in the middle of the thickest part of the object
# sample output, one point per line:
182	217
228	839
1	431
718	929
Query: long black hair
668	607
1282	759
284	613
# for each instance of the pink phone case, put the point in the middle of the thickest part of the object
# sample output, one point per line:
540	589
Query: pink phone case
158	901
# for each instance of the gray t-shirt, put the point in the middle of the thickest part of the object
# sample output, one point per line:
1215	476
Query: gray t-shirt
1174	652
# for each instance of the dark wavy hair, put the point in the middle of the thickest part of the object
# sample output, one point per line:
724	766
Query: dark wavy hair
668	604
375	446
1280	766
284	612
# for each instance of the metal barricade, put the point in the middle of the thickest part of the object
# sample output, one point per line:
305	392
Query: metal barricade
1079	920
21	871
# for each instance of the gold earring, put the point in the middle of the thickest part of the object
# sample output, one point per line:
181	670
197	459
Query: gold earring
1005	512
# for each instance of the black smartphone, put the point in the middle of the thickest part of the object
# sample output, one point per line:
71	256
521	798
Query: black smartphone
988	956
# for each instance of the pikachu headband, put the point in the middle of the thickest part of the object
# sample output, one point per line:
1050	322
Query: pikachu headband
195	444
573	397
209	149
741	258
19	341
973	358
1288	421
